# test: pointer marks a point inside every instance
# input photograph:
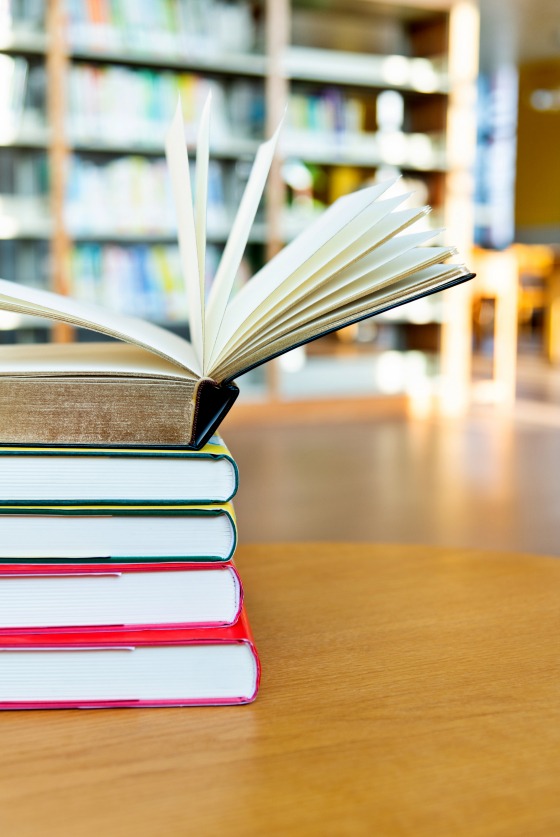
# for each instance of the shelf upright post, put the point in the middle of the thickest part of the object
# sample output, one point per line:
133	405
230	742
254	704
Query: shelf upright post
459	204
57	69
276	95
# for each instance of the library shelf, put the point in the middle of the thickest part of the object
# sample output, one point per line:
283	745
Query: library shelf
341	57
242	64
410	152
39	136
399	72
35	136
26	41
230	148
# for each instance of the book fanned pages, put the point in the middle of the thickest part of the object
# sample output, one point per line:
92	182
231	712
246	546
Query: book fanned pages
65	596
361	257
119	668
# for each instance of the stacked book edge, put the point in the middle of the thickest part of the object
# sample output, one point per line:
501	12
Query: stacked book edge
117	585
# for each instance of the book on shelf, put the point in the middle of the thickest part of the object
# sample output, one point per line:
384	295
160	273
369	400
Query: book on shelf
23	15
141	280
157	388
163	667
23	173
168	28
62	595
328	112
27	261
116	533
13	79
128	106
117	476
129	196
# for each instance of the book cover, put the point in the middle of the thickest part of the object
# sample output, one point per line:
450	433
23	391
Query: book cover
116	533
117	476
81	669
62	596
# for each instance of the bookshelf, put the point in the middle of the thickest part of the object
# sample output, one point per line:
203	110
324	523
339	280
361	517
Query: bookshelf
375	90
369	89
106	216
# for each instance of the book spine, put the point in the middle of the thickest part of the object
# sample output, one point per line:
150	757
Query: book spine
213	402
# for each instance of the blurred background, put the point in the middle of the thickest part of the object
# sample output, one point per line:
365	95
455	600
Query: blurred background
438	422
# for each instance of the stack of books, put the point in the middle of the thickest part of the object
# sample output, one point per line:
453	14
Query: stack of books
117	585
98	495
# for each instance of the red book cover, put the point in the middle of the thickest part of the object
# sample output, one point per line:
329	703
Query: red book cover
56	686
114	573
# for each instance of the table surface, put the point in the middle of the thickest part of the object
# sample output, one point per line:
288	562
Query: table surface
406	691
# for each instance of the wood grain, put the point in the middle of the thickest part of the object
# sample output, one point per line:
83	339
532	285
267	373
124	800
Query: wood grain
406	691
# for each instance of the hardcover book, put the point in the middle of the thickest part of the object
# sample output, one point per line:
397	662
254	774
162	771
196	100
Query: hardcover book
157	388
179	667
115	533
117	476
62	595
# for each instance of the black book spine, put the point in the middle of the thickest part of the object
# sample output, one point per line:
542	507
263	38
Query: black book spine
213	403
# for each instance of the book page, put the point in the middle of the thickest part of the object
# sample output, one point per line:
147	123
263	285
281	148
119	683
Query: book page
362	280
411	287
90	359
363	251
386	279
25	300
178	162
310	250
237	241
379	267
329	282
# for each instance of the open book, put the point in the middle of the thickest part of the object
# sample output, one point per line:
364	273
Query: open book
157	388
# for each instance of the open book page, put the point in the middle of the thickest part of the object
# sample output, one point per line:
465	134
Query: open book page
25	300
178	161
362	285
299	259
330	281
383	266
344	256
418	283
237	242
89	359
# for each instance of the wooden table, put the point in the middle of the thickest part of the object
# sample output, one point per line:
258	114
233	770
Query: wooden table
406	691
